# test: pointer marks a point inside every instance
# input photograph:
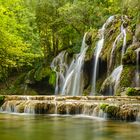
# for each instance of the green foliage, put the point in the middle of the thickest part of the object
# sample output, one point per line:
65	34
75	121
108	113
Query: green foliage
41	73
103	106
126	79
52	78
132	92
16	44
112	111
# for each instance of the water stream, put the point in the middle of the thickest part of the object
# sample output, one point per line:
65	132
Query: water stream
114	77
59	66
137	75
73	79
98	50
69	77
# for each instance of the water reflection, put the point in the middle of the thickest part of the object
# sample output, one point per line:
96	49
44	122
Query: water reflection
40	127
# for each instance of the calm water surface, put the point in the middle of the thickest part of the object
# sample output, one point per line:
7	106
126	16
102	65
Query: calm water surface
44	127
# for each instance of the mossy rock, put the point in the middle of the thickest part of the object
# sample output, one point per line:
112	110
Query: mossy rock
126	79
132	92
2	99
137	32
130	55
112	111
103	106
111	33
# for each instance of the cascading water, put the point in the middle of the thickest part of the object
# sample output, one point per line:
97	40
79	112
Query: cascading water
69	105
123	30
59	66
137	77
117	40
116	74
73	80
98	50
69	79
114	78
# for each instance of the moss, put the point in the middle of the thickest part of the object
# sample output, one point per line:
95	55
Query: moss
129	35
130	56
41	73
132	92
2	99
110	35
103	106
112	111
127	75
52	78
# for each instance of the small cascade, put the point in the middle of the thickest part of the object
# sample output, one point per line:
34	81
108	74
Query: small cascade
111	83
59	66
73	79
98	50
137	75
115	76
117	40
69	78
55	104
123	30
99	106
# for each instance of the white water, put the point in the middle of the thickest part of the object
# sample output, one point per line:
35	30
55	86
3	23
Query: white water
137	77
69	78
73	80
116	74
98	50
59	65
117	40
123	30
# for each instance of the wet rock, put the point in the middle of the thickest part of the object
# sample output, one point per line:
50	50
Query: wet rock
137	32
130	55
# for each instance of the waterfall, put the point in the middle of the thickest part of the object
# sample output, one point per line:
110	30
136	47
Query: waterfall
98	50
73	80
121	108
117	40
69	78
123	30
137	77
59	66
115	76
